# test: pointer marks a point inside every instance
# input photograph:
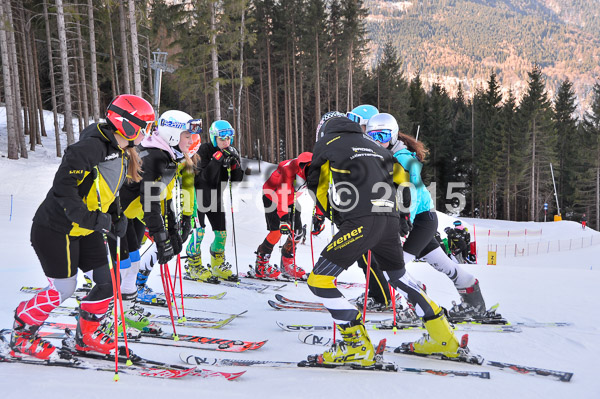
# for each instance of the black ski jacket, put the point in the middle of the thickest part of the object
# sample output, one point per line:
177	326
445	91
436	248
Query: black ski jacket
71	206
363	174
159	170
212	171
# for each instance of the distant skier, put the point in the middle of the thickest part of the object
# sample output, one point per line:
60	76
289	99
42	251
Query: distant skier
282	212
459	239
67	228
583	221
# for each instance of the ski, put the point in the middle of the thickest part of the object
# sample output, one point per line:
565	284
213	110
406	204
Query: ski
158	318
220	362
84	290
534	371
165	339
247	285
101	363
193	324
377	325
314	339
289	306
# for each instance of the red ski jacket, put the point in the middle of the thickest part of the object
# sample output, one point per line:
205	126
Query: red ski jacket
279	188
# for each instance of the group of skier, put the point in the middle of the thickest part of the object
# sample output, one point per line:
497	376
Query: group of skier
102	201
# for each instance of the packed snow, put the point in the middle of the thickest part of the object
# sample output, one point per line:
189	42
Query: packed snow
543	285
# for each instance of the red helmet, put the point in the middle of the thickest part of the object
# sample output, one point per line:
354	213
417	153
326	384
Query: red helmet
130	115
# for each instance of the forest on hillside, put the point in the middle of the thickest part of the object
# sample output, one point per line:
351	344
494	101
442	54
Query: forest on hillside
468	39
273	68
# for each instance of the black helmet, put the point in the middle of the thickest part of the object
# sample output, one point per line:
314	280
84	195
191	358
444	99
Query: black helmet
447	229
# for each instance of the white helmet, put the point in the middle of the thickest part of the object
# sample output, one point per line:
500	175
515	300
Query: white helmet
383	127
171	124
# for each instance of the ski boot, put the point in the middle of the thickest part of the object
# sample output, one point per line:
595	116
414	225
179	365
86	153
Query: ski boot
198	272
356	347
24	340
471	306
221	268
263	269
406	314
439	339
290	270
89	335
136	317
372	304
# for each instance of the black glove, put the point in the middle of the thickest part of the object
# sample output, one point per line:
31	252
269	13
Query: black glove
121	226
176	243
285	227
103	222
232	157
405	224
318	224
186	227
163	245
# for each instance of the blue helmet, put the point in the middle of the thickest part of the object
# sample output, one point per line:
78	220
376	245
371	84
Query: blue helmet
222	129
362	114
457	223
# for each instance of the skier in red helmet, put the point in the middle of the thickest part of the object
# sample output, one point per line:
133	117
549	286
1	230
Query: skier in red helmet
67	228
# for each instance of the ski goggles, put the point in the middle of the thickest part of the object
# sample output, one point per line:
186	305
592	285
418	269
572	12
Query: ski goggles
381	135
355	118
226	133
194	126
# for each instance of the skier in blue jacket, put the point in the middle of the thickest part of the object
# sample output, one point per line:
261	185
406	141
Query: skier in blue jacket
421	242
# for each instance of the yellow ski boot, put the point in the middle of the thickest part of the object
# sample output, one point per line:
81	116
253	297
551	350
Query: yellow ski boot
439	339
356	347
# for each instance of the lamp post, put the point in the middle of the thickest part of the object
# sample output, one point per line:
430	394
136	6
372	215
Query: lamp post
159	64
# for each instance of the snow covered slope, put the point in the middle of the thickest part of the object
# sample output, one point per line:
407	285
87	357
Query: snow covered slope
526	288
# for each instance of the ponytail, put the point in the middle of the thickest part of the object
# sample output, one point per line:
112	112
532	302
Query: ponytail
134	169
414	146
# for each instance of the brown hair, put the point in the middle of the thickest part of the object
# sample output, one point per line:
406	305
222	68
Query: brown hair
189	163
134	169
415	146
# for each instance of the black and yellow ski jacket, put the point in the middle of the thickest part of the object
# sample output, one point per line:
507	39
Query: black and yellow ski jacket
71	206
362	175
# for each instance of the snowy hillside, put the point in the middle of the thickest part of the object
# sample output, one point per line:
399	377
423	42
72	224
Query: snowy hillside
552	286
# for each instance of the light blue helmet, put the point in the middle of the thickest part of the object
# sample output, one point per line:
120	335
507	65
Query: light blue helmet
221	129
362	114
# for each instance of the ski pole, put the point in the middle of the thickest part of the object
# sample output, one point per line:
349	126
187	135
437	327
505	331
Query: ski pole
294	238
233	223
393	294
367	285
164	278
113	280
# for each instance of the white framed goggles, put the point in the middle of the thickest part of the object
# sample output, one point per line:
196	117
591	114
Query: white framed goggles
381	135
355	117
194	126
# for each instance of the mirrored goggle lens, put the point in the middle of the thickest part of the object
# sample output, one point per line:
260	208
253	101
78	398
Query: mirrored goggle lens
383	135
148	130
225	133
354	117
195	126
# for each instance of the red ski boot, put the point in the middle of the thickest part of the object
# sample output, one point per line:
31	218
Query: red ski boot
25	341
290	270
90	337
262	267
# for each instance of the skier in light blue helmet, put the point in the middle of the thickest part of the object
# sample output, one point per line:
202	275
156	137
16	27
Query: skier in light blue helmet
219	163
362	114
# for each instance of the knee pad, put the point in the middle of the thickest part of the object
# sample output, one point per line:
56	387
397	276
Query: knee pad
65	286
